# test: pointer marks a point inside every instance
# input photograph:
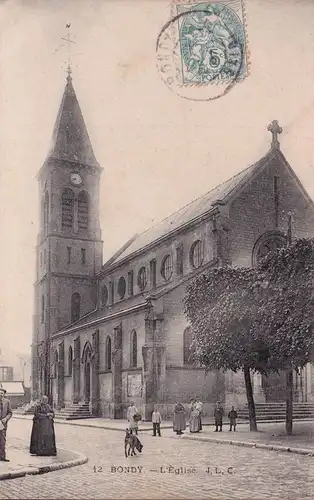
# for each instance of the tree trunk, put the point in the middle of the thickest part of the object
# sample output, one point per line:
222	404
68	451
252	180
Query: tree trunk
289	400
250	398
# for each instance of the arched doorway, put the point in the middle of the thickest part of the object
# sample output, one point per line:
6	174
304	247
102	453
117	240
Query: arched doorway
87	361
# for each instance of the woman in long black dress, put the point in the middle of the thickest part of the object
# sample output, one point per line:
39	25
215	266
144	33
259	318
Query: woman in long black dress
43	442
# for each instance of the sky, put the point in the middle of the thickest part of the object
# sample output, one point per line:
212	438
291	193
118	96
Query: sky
159	151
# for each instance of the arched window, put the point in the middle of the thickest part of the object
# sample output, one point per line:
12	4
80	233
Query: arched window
75	307
108	353
70	361
83	210
67	211
142	278
46	213
197	254
166	267
133	349
55	364
188	349
87	353
121	287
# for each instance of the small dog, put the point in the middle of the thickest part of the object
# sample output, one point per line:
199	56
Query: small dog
132	442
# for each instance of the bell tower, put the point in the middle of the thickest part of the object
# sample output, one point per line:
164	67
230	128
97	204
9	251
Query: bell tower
69	244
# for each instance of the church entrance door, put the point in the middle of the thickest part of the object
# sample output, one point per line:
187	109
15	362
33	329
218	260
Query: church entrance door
87	384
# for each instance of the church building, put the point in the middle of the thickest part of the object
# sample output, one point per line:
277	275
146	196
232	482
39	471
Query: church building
106	333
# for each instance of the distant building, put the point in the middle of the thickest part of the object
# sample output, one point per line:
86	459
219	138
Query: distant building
117	331
15	389
6	373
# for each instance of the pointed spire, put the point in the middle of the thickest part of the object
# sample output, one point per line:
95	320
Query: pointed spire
70	139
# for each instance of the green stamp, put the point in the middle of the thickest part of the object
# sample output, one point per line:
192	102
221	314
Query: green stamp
203	48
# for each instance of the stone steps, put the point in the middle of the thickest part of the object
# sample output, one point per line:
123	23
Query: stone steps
73	412
277	411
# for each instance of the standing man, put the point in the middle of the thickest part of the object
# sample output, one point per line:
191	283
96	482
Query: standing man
5	415
218	414
156	419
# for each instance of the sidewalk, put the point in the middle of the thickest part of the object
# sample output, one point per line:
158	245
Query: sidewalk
270	436
22	463
121	425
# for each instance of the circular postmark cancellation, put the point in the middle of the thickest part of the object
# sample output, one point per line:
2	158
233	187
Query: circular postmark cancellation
201	51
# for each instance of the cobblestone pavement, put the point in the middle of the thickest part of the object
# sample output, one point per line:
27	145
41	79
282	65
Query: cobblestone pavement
203	470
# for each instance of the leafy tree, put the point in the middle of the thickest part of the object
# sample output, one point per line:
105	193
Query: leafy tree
222	307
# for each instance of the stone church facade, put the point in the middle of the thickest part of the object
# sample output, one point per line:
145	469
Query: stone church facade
107	333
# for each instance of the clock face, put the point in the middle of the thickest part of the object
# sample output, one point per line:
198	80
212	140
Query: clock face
76	179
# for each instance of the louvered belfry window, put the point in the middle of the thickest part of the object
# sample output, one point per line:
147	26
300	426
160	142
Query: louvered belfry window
67	209
83	210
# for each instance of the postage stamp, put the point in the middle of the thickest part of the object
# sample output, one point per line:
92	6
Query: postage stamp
202	51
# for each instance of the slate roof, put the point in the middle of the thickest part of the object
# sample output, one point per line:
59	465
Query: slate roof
189	212
70	140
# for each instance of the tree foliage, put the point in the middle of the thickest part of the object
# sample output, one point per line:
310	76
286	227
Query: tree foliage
262	318
286	315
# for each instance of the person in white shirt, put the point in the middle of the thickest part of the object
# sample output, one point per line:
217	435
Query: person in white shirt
156	419
132	410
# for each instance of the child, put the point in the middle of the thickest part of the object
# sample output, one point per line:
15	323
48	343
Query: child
156	419
232	415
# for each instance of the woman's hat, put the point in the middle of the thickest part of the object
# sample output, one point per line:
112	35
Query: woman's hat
3	390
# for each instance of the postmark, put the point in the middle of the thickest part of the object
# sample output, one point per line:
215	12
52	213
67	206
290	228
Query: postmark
202	51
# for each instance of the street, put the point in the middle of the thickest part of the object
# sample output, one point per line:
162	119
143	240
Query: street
169	467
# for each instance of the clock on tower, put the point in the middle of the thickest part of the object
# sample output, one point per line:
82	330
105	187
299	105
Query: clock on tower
76	179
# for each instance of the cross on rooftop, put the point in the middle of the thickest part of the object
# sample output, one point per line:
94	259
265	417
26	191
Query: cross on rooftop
275	129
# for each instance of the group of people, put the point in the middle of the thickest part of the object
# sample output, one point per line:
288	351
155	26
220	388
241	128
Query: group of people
42	442
196	410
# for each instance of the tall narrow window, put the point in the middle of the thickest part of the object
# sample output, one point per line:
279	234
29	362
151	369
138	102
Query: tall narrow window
69	250
46	213
83	255
67	212
111	292
130	282
108	353
179	260
83	210
75	307
42	308
121	289
134	349
152	272
70	361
